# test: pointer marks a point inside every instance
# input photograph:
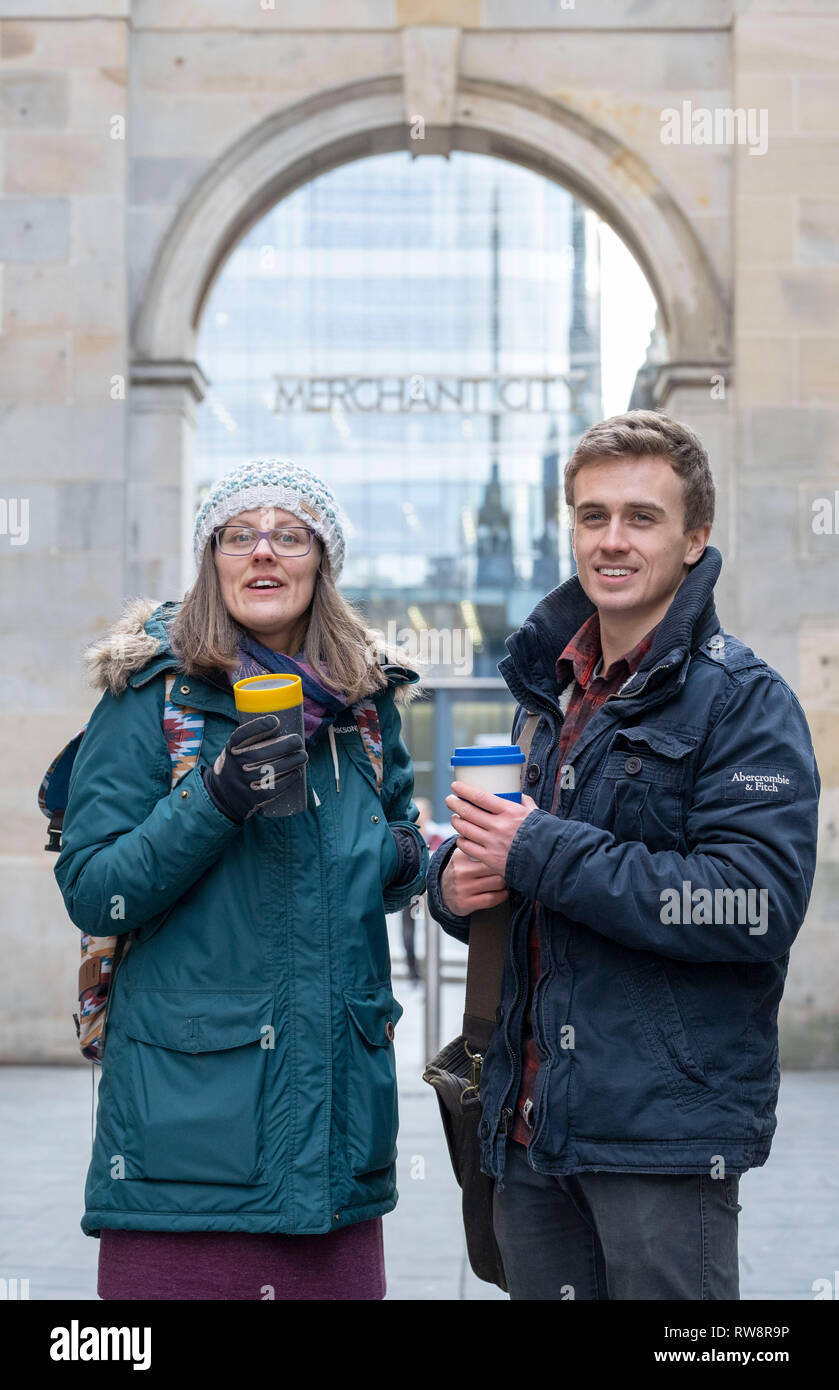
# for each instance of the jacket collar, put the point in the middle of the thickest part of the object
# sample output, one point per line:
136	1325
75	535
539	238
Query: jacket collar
137	649
529	668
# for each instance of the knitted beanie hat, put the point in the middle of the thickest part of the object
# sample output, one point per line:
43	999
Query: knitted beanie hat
273	483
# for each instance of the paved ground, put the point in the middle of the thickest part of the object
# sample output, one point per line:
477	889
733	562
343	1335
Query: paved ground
789	1225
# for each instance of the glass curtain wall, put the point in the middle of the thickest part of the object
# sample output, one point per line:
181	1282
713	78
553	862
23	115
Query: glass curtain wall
424	334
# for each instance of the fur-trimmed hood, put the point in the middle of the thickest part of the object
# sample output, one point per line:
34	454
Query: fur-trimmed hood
129	646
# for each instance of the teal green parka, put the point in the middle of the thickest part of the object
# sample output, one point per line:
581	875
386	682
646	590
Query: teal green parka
248	1081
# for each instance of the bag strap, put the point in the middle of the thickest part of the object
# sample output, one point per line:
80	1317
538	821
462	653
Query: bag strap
489	930
183	728
370	729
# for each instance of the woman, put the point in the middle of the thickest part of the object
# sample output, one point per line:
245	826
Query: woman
247	1115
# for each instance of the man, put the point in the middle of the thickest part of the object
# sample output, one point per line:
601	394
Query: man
656	884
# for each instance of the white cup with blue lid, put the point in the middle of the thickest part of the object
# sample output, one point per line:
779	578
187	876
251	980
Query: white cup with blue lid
495	769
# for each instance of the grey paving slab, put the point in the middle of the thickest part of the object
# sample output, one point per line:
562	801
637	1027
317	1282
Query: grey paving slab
789	1225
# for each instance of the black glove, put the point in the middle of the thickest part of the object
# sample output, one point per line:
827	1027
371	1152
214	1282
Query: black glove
410	855
233	780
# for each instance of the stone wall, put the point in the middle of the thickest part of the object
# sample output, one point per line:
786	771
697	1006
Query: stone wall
785	58
63	179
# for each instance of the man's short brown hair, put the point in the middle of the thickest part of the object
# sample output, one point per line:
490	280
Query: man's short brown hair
641	432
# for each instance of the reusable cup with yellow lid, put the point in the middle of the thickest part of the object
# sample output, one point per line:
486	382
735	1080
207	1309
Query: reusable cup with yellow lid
281	695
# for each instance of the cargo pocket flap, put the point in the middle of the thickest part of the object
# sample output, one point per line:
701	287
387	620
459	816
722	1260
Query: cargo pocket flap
671	743
371	1011
198	1020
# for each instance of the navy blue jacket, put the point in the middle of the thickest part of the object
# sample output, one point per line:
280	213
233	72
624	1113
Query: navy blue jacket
674	877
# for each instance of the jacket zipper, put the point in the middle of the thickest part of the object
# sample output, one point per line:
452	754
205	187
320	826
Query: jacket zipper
537	1025
539	1113
115	964
538	1012
537	1016
664	666
329	1068
505	1121
505	1118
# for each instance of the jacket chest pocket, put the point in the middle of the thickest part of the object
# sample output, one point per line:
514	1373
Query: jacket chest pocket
197	1074
645	779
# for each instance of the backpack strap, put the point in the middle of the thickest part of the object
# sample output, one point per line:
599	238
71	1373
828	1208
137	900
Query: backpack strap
52	793
183	727
54	831
369	726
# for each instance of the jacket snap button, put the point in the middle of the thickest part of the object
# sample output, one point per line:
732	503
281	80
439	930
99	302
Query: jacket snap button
533	773
375	820
483	1129
390	1030
184	794
632	764
184	689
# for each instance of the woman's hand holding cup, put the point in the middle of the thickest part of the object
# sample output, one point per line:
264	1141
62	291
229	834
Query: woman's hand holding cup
248	773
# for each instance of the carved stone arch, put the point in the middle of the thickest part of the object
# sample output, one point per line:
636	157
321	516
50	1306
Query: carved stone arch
336	127
617	183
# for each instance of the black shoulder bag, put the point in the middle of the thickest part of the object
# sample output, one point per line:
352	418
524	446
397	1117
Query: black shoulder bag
455	1073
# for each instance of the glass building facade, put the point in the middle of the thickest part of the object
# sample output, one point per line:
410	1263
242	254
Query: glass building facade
425	335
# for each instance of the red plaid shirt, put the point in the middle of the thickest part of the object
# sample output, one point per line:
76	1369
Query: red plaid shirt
589	693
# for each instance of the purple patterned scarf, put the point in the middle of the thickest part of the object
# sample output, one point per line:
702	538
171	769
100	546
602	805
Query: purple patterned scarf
320	706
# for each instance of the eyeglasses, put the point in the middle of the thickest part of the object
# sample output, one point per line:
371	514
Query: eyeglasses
285	541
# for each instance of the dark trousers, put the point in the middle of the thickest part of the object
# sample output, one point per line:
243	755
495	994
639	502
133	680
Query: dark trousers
616	1235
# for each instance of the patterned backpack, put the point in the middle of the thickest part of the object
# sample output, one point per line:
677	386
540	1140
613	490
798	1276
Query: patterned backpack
183	727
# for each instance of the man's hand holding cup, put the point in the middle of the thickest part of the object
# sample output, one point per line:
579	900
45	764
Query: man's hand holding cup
486	825
467	886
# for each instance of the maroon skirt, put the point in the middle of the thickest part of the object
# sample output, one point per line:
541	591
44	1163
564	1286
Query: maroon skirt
347	1264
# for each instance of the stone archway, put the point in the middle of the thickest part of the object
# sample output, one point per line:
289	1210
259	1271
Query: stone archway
336	127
